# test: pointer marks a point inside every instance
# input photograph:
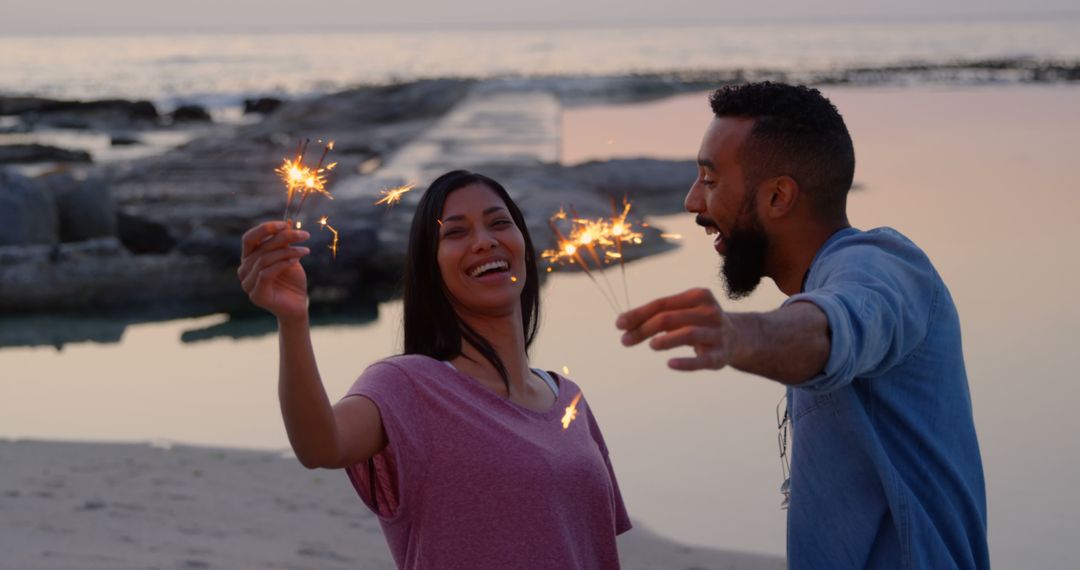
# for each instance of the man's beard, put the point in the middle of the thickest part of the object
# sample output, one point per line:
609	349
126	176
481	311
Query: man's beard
744	258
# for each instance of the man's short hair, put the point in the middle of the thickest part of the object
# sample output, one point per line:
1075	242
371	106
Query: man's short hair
798	133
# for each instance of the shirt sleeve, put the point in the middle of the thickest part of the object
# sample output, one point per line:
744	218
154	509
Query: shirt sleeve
382	481
622	518
878	301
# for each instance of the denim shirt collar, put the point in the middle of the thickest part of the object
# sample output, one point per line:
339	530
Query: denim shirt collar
832	238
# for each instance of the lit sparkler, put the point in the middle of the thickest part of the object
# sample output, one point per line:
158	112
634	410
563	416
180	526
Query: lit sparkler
567	251
302	179
333	245
571	412
601	240
393	196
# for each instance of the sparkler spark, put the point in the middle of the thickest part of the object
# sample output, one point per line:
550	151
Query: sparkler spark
571	412
393	195
333	245
302	179
671	236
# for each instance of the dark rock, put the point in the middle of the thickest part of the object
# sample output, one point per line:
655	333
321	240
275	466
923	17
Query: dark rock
27	212
190	113
262	105
32	153
85	207
657	186
102	275
140	235
144	110
224	250
78	114
20	105
123	139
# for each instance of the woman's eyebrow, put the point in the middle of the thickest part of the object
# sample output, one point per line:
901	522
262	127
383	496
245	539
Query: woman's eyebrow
460	217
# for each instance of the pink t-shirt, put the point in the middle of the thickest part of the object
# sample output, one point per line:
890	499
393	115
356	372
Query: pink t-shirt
473	480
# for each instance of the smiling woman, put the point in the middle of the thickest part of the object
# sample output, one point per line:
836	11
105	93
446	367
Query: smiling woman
457	444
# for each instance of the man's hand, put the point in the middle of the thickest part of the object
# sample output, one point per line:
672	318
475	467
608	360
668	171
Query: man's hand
789	345
692	318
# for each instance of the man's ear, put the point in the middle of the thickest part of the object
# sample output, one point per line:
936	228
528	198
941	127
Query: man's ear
781	194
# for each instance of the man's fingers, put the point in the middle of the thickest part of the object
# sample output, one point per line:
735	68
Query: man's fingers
634	317
672	320
713	361
687	336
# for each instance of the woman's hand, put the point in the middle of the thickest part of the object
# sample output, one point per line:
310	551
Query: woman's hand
270	270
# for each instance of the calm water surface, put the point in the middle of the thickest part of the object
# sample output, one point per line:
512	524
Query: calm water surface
978	177
218	67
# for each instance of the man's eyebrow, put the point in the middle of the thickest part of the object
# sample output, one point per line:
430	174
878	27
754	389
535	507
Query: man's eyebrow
706	163
460	217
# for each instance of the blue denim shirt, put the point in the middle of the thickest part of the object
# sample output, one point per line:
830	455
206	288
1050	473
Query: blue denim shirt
885	465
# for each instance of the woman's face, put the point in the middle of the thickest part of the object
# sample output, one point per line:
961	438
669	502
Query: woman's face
481	252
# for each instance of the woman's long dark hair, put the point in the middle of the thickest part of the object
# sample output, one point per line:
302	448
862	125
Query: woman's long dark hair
432	327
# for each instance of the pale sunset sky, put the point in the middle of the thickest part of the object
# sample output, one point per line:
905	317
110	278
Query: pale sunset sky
64	16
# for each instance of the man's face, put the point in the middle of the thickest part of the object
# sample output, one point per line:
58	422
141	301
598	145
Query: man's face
726	207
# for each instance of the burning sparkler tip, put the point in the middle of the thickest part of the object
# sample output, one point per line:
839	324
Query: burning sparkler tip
571	412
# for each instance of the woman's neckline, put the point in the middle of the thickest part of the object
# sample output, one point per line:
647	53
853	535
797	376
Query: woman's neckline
546	414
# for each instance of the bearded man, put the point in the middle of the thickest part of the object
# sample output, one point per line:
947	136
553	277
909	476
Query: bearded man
885	465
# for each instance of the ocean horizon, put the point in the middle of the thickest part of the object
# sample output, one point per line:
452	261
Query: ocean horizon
220	67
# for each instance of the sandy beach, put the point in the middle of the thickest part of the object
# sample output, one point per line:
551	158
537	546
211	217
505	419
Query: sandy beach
117	506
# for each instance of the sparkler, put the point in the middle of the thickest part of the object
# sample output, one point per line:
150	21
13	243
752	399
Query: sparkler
333	246
571	412
302	179
602	241
568	251
393	195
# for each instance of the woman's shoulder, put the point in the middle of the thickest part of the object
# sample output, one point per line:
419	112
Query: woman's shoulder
403	366
566	385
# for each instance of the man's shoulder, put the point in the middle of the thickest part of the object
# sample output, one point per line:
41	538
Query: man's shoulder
879	250
869	245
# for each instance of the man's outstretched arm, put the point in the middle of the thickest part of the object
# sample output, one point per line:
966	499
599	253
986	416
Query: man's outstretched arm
790	344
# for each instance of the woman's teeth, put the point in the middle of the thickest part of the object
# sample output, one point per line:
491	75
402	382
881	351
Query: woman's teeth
488	267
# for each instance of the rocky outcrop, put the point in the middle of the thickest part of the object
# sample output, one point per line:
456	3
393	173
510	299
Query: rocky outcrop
28	214
262	105
140	235
190	114
102	274
34	153
87	115
84	207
